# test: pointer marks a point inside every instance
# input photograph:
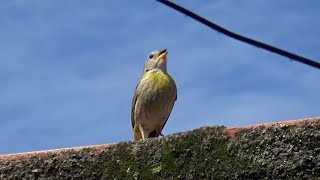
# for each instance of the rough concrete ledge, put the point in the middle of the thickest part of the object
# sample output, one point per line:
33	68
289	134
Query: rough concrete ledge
281	150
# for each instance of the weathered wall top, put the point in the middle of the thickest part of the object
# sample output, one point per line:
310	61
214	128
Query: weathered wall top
285	150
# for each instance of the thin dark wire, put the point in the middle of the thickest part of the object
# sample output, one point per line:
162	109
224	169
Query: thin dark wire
239	37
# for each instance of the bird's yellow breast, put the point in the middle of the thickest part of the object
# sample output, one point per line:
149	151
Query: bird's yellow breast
158	80
158	90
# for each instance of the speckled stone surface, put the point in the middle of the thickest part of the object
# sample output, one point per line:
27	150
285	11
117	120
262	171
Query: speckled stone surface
279	151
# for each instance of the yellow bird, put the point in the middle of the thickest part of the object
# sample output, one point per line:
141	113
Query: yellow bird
153	98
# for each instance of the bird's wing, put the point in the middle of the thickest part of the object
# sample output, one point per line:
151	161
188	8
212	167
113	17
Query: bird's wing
170	110
133	105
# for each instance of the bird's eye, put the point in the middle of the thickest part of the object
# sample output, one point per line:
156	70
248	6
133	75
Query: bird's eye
150	56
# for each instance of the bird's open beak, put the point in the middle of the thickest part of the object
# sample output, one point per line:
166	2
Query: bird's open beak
163	54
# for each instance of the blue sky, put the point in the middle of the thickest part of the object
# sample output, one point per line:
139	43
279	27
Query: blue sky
68	69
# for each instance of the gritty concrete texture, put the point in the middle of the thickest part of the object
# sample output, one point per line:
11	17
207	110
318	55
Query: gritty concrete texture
285	150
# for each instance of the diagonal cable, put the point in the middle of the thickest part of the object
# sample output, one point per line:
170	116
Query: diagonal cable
253	42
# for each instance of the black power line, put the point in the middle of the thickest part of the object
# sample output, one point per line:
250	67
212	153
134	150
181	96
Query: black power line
239	37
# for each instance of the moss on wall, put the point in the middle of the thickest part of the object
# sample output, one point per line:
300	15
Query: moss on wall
277	152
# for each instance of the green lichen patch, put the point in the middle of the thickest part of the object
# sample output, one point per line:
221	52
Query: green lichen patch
202	153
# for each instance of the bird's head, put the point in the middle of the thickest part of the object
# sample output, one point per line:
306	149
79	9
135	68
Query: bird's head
156	60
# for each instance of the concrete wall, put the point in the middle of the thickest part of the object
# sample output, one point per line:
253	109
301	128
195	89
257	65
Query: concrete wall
280	151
